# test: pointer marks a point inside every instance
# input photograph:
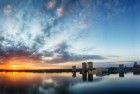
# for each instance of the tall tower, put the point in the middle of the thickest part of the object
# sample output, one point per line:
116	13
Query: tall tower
84	67
90	65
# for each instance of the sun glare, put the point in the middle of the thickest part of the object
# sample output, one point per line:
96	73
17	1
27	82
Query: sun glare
14	66
20	62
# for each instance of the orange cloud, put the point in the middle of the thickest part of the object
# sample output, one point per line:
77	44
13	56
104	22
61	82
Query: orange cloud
21	62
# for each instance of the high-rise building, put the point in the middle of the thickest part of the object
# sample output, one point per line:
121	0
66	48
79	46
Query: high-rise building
90	65
84	67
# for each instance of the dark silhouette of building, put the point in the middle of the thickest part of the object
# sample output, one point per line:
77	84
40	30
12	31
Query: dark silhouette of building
121	66
84	67
136	68
121	74
73	68
136	65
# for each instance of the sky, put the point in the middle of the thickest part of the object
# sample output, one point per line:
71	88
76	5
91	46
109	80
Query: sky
67	32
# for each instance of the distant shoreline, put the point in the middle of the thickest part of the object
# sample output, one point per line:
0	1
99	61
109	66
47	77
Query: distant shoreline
39	70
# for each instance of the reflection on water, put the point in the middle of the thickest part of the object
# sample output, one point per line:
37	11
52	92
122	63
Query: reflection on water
68	83
84	76
121	74
74	74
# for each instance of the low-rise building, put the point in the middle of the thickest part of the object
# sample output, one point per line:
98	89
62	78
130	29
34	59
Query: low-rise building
73	68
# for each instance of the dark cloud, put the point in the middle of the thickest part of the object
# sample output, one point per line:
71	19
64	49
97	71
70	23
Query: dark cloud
63	55
75	57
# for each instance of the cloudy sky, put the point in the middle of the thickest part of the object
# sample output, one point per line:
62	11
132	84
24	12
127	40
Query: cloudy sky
71	31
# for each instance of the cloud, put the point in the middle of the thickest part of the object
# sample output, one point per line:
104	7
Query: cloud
32	29
61	54
35	26
73	57
7	10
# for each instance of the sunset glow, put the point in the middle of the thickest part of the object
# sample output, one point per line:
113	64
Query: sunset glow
22	62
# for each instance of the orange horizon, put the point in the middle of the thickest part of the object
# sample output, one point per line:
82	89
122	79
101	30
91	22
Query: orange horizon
25	63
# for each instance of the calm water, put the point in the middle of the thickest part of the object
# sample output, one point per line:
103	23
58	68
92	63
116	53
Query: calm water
68	83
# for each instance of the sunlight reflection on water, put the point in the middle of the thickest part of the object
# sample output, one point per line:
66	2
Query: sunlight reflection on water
67	83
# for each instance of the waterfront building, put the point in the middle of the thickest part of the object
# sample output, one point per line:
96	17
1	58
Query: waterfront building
121	66
90	65
136	65
84	67
73	68
101	71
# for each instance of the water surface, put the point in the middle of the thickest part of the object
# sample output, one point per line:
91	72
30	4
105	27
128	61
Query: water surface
68	83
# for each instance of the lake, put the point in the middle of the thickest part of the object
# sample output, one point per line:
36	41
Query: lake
68	83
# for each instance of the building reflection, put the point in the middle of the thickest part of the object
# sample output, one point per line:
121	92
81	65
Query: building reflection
136	73
84	76
121	74
90	77
87	71
87	76
73	74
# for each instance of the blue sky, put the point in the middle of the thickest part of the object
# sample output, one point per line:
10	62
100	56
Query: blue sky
72	30
115	33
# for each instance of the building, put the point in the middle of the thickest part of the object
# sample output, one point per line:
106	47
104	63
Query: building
73	68
101	71
136	68
136	65
121	66
90	65
84	67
